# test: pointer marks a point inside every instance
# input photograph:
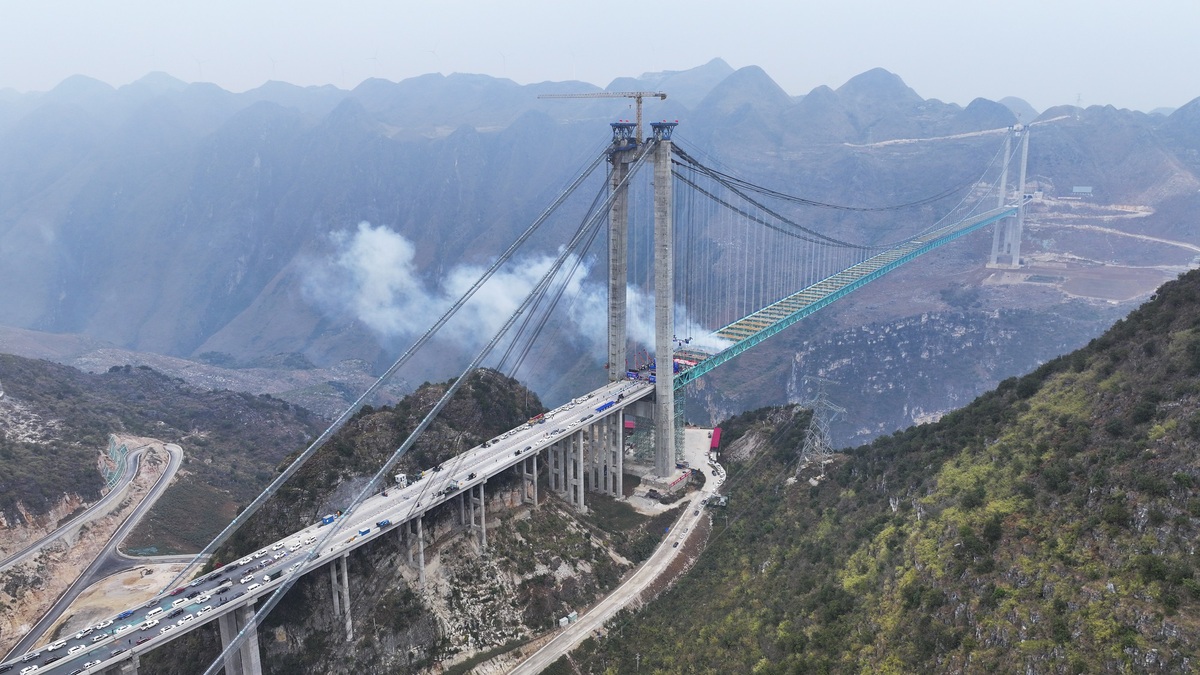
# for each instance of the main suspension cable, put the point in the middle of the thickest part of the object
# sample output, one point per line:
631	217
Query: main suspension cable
369	489
292	468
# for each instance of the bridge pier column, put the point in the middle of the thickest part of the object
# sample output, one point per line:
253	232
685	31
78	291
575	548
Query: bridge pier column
345	573
481	526
558	471
595	456
227	624
407	529
245	660
612	459
129	667
251	659
421	552
333	581
618	449
462	508
577	470
529	493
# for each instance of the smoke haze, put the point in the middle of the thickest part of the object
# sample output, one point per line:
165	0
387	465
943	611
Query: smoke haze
372	276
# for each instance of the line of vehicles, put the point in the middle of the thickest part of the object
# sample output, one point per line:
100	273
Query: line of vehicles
166	613
198	601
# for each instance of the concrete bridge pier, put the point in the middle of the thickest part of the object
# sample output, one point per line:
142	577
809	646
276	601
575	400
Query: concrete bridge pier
593	456
481	526
129	667
246	660
337	597
576	471
529	470
345	596
605	457
420	533
408	530
614	455
557	475
567	470
341	592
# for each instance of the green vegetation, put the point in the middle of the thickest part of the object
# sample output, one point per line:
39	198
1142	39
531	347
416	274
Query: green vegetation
231	443
1048	526
488	404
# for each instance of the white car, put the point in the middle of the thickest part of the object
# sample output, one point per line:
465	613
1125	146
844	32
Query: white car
279	555
29	669
122	629
204	597
101	637
259	554
147	625
247	579
89	664
204	610
103	624
184	619
56	645
76	649
277	546
167	629
253	586
84	633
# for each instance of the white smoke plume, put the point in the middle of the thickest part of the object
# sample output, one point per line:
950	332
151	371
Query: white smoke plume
373	277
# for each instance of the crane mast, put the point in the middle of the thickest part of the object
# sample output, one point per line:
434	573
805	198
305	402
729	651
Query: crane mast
637	96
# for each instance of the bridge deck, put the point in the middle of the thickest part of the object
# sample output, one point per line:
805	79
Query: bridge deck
120	639
750	330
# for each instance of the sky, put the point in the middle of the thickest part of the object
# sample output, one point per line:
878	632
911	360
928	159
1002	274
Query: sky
1139	55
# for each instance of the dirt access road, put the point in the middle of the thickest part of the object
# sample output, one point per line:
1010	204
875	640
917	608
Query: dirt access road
696	448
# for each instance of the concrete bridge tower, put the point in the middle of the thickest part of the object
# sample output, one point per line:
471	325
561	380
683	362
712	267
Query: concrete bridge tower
664	302
1006	237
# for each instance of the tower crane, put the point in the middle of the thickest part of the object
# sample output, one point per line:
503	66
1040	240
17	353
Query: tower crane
635	95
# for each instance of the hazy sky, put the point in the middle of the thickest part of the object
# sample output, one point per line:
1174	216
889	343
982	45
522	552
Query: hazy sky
1130	54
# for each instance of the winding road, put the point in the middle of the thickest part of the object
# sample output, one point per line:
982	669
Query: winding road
653	568
109	560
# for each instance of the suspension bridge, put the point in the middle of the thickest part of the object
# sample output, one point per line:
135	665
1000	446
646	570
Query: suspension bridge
700	266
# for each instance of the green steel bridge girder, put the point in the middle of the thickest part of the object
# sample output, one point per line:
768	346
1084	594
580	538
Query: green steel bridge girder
695	372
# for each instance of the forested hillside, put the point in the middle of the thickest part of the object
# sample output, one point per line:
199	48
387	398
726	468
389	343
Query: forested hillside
57	421
540	564
1047	527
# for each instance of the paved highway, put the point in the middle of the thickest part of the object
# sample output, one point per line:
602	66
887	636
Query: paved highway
92	573
172	614
90	513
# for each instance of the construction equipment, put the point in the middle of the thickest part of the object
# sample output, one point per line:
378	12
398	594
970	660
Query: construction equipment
635	95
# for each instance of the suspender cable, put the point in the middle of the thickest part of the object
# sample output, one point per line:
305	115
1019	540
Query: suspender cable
292	468
369	489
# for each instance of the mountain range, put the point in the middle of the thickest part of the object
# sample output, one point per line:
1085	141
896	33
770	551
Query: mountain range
185	220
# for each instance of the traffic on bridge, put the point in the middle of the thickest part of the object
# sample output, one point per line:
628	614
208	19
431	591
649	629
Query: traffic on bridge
242	582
